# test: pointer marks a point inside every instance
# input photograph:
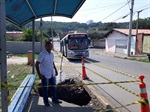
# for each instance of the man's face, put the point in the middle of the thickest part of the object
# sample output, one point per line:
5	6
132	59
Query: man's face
48	47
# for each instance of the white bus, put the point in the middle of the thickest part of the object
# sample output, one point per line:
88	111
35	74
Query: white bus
75	45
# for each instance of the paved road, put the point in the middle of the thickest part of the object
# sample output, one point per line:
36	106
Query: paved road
111	93
106	93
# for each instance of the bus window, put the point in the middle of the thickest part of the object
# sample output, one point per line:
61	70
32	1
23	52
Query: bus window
83	43
73	44
78	43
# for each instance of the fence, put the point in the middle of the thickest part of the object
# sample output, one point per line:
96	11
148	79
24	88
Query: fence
22	47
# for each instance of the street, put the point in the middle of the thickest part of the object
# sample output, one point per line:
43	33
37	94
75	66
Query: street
101	68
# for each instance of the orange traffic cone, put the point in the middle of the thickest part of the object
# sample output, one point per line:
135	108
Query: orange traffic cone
84	76
144	96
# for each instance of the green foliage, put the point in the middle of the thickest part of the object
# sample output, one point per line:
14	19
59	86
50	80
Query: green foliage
49	32
28	35
95	35
46	37
16	75
109	26
93	25
142	23
59	27
13	39
140	59
11	27
25	55
9	38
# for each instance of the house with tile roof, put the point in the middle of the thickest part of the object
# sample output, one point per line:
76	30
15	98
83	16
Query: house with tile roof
15	34
117	41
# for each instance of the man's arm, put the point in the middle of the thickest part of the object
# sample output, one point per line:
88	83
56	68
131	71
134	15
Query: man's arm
37	64
56	72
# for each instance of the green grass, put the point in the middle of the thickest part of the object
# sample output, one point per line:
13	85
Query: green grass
140	59
16	75
25	55
143	60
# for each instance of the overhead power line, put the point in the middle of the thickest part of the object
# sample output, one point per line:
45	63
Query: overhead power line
104	9
143	7
114	11
122	17
128	3
100	7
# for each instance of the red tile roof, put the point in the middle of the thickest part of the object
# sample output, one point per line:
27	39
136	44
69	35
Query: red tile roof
126	31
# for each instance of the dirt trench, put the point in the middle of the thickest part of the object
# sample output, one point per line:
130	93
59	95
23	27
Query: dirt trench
76	94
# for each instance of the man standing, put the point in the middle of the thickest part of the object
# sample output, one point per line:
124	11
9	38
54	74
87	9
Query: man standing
45	67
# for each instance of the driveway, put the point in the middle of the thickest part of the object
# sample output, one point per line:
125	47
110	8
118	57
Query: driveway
17	60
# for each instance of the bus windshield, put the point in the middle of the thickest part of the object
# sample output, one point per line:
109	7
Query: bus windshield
78	43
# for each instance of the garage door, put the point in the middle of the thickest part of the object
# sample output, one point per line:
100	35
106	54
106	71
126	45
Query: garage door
121	46
146	44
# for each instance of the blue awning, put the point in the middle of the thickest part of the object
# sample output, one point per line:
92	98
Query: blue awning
20	12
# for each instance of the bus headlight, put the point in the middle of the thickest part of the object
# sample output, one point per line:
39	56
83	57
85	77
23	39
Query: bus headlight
71	52
86	53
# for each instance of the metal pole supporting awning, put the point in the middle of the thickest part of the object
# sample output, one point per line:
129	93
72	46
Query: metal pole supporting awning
21	12
3	64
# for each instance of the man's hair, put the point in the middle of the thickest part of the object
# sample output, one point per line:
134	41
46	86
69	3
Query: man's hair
47	43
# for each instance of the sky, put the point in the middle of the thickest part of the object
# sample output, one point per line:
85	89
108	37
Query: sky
107	11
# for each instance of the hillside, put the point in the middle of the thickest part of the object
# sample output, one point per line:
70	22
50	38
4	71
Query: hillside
72	26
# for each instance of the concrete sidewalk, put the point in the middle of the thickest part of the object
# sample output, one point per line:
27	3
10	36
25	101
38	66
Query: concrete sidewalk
37	104
119	55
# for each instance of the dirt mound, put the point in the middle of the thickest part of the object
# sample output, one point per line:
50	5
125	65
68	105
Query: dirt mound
73	94
70	92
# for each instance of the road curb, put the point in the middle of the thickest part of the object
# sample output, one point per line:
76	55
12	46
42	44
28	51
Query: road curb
91	90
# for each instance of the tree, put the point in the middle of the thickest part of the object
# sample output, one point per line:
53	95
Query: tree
109	26
11	27
95	35
49	32
9	38
28	35
46	37
142	23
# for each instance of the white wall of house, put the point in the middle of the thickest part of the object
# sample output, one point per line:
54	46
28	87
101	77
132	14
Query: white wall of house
133	45
113	39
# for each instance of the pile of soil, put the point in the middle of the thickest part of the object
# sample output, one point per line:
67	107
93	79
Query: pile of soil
70	92
73	93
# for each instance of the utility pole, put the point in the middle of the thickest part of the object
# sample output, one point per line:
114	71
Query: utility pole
130	27
137	21
52	33
137	27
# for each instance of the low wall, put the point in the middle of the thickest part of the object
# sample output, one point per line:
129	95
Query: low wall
22	47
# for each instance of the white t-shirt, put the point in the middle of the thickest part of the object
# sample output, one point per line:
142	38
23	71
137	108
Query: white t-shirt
46	63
